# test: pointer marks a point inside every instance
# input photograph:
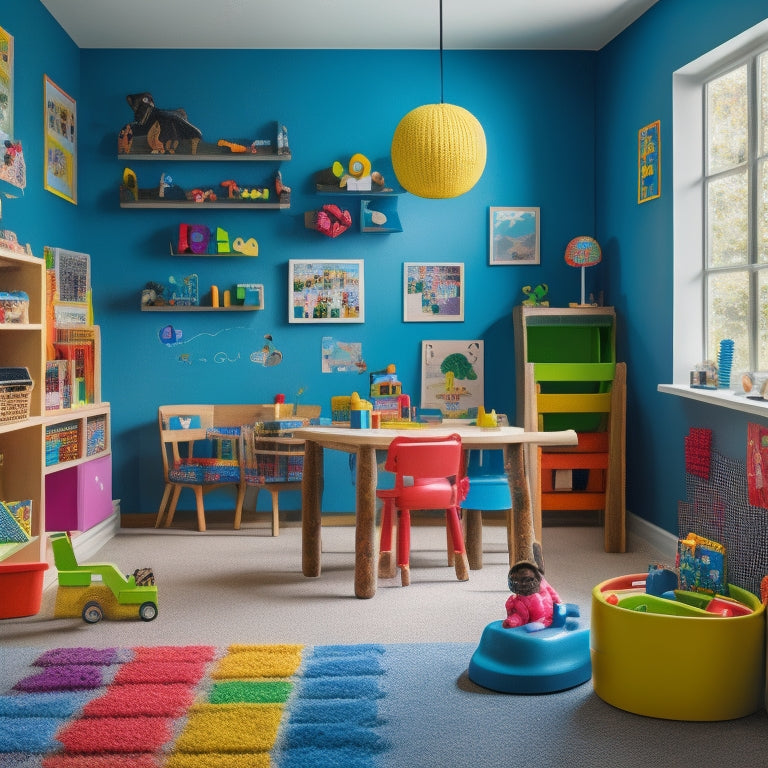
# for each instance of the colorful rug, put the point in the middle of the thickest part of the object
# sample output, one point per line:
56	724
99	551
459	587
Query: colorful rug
260	706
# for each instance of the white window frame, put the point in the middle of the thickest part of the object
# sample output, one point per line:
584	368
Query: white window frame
688	347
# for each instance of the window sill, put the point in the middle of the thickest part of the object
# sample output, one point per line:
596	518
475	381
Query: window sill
722	397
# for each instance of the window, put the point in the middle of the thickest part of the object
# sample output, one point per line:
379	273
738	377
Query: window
735	218
721	205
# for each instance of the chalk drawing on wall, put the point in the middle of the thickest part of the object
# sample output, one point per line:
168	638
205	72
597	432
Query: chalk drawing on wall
230	346
269	354
342	356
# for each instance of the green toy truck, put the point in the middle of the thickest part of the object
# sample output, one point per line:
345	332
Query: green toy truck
96	590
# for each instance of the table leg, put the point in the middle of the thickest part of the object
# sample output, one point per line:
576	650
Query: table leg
473	541
365	524
520	534
311	496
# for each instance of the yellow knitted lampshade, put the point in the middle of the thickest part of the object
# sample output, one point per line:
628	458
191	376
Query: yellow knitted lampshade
438	151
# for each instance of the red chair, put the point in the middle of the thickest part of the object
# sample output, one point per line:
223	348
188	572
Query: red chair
429	474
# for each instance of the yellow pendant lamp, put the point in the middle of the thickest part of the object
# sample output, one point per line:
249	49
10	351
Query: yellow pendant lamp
438	150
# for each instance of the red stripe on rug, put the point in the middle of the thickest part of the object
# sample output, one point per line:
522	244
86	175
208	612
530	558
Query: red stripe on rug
155	700
160	672
175	653
102	761
115	734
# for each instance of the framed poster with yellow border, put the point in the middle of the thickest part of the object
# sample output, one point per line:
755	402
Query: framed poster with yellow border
649	162
60	132
6	85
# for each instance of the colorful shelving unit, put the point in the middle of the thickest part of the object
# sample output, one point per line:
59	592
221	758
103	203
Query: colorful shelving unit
568	378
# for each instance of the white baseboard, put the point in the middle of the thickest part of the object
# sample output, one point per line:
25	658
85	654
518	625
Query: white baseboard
651	534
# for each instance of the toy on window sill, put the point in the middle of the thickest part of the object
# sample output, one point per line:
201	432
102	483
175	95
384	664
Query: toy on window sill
532	602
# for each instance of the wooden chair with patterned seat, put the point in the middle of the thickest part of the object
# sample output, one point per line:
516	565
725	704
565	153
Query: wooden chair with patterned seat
182	428
274	462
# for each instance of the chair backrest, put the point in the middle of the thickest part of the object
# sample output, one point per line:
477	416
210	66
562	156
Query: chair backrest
180	426
425	457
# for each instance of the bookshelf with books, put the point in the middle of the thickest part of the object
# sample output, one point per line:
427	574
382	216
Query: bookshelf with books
38	406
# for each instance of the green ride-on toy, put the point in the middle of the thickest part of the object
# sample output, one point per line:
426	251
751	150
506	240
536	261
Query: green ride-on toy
96	590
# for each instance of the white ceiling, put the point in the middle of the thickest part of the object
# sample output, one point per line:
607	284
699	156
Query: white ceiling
353	24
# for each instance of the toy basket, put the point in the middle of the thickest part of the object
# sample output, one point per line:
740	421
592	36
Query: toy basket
15	394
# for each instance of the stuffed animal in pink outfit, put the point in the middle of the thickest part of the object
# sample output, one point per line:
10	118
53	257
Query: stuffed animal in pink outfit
531	604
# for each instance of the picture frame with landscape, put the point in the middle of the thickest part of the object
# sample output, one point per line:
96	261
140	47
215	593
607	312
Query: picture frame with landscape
514	236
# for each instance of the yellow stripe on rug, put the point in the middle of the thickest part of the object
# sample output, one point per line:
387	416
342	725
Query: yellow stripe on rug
230	728
258	661
219	760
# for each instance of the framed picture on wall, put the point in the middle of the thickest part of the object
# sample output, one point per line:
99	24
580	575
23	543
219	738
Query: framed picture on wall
326	291
6	85
649	162
514	236
433	292
60	133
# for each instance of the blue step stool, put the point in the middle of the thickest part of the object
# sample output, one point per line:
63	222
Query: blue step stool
545	661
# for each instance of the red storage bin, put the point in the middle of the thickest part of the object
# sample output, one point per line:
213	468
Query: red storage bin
21	589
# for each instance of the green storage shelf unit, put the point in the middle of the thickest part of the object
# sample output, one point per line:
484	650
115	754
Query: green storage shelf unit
562	335
566	358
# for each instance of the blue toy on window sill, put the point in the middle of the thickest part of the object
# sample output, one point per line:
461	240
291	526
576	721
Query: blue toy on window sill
540	647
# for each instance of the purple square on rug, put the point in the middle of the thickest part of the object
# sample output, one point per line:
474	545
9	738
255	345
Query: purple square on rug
95	656
72	677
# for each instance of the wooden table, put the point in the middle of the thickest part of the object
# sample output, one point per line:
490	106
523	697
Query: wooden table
364	443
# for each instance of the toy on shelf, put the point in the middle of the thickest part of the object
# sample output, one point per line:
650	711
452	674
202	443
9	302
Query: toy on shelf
164	129
540	647
95	590
360	177
183	292
534	296
330	220
582	252
234	193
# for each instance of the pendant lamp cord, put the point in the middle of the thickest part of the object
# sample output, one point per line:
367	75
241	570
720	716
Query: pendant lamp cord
441	52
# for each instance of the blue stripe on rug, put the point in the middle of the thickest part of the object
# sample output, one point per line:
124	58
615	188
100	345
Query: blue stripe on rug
339	688
29	734
367	649
312	757
356	712
60	704
338	666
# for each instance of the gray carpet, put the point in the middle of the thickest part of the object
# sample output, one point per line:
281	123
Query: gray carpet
226	588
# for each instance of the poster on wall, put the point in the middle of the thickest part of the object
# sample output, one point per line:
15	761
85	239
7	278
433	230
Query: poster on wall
514	236
649	162
452	377
6	85
433	292
60	133
326	291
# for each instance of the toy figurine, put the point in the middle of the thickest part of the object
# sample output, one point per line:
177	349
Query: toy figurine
532	602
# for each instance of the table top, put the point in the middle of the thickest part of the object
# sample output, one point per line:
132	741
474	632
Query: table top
345	438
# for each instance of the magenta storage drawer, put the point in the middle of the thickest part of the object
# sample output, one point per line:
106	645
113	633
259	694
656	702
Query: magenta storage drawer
77	498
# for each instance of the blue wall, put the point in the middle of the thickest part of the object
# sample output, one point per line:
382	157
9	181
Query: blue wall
561	130
334	104
634	88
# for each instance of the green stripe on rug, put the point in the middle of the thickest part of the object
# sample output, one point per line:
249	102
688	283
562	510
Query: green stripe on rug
250	692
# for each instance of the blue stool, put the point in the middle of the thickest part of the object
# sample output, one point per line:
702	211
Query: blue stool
518	661
488	491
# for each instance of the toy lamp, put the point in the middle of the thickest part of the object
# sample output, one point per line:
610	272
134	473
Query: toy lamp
438	150
583	252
